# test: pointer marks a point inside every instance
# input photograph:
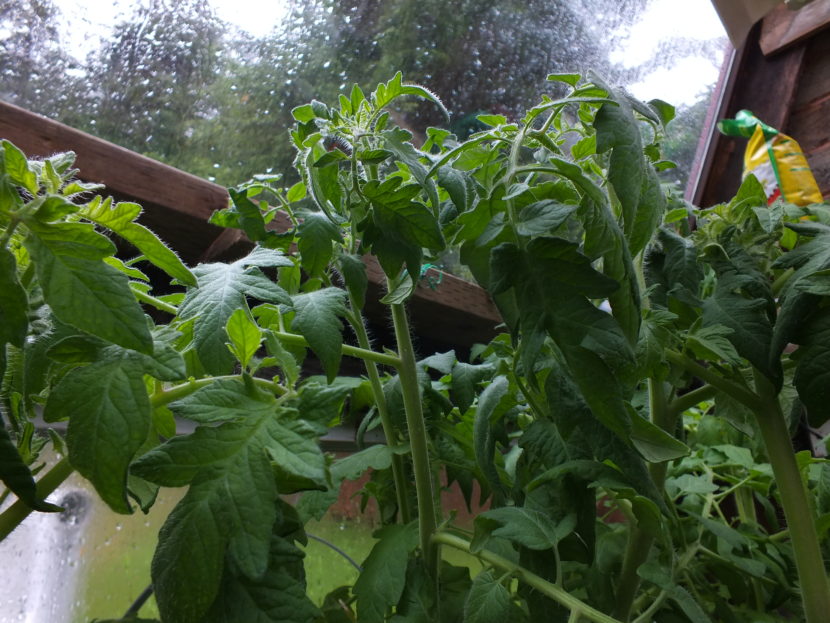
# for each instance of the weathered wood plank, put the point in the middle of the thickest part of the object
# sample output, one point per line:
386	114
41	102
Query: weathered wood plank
815	77
782	28
819	160
121	170
810	125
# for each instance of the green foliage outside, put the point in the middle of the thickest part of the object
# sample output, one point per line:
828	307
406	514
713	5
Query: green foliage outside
630	428
175	83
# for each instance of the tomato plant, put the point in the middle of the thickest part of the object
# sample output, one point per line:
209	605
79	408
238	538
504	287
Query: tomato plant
629	429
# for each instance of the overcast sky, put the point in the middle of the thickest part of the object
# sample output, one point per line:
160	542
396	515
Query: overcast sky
682	82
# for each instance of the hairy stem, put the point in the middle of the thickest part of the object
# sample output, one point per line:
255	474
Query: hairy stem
691	399
177	392
639	543
14	515
424	486
7	235
556	593
398	474
815	590
736	391
351	351
155	302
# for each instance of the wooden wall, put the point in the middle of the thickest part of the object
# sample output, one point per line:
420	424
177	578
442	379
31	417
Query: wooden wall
782	74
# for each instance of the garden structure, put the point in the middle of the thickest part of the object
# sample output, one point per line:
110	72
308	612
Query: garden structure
636	462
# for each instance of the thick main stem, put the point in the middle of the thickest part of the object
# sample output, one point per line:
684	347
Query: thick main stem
815	590
14	515
408	374
639	543
383	411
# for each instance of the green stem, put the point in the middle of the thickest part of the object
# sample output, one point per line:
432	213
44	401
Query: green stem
692	399
739	393
177	392
398	473
155	302
815	590
639	543
424	487
14	515
352	351
7	235
556	593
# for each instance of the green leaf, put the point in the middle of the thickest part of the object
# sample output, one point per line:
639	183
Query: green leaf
746	317
245	336
398	142
18	169
382	581
81	289
488	601
543	217
16	476
489	409
279	596
318	321
230	505
221	290
618	131
812	376
524	526
54	208
653	443
464	383
354	274
652	572
711	343
14	322
650	210
384	94
316	233
121	220
109	419
455	183
249	217
373	156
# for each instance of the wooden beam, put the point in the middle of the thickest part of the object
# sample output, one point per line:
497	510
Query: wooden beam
121	170
782	28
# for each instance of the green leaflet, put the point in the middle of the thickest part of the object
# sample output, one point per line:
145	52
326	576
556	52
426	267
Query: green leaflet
523	526
417	602
397	140
488	600
318	321
16	476
235	471
245	336
14	323
399	227
279	596
354	274
109	419
543	217
747	318
812	377
121	220
384	94
618	131
316	234
381	584
221	290
82	290
18	169
489	409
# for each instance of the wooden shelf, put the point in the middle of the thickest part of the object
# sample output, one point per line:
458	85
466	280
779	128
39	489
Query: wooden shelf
177	206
